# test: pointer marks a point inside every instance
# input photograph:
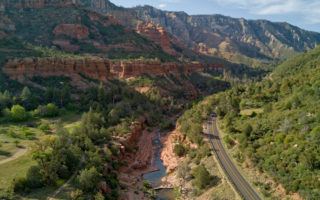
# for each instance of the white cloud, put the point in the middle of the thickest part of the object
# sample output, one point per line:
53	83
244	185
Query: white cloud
308	10
162	5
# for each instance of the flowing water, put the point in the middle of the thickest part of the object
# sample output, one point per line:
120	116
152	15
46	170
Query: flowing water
154	178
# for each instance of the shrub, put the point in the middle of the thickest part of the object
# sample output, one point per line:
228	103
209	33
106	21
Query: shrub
204	151
99	196
20	185
63	172
6	194
229	141
202	178
34	178
76	195
45	127
18	113
248	130
88	179
50	110
179	150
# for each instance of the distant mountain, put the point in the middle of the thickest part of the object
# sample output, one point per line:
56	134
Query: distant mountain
250	42
74	29
238	40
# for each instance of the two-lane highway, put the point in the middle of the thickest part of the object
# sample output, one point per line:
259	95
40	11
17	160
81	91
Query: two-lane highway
238	181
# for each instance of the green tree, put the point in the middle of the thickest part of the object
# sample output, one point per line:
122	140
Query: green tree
65	96
88	179
202	177
92	126
99	196
5	99
18	113
179	150
25	94
247	130
52	110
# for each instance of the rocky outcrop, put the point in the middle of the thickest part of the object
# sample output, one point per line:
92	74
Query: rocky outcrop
134	68
156	33
95	68
76	31
169	158
136	131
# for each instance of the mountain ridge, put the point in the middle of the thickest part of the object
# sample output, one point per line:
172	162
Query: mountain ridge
251	42
260	39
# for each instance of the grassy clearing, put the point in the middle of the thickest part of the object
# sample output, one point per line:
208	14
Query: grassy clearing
248	112
15	169
13	137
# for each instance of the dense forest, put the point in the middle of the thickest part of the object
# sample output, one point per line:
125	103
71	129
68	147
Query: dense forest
275	122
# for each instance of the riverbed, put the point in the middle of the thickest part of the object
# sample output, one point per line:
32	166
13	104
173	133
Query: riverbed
154	178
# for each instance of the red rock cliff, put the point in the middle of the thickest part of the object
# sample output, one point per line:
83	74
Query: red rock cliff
94	67
156	33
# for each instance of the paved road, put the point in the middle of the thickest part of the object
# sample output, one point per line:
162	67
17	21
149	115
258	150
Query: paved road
238	181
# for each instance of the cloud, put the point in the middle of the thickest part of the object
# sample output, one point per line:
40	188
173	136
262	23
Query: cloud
162	5
308	10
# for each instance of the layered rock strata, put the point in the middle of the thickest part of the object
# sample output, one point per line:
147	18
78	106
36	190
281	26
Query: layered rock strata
95	68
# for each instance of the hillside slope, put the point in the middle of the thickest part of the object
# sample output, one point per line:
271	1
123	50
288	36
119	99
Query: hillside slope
74	29
281	136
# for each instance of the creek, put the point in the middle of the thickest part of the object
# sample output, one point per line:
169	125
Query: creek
154	178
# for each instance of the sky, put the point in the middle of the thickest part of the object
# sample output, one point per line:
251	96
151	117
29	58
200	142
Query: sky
302	13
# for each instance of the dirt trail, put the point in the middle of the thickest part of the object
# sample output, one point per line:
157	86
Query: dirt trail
18	154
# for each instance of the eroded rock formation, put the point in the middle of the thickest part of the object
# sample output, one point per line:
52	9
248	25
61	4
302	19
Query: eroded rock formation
19	69
156	33
94	68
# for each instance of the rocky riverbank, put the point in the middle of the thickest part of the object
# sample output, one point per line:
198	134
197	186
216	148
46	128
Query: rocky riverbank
173	163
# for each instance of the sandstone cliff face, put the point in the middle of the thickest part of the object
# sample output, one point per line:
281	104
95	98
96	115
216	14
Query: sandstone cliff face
156	33
24	69
94	68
